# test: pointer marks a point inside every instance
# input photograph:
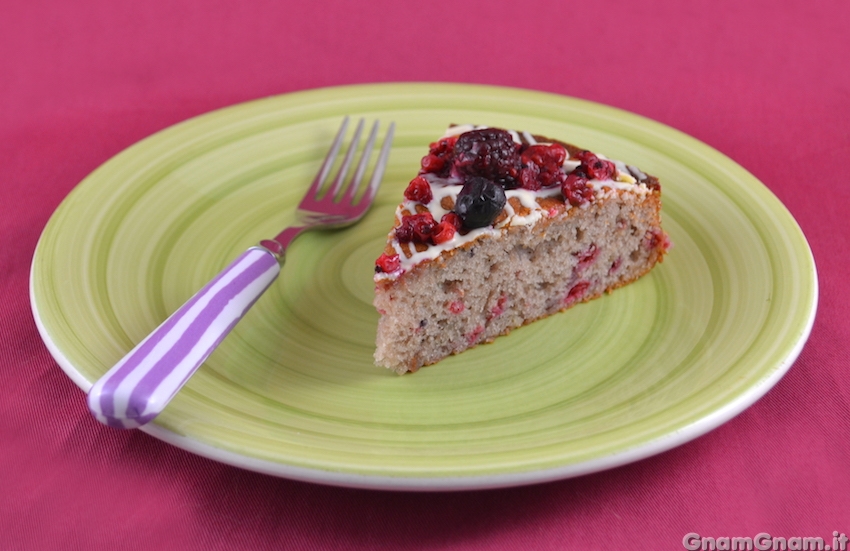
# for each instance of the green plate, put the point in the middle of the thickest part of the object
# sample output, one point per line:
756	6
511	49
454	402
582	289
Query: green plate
293	391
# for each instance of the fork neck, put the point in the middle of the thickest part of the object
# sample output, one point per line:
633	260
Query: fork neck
281	241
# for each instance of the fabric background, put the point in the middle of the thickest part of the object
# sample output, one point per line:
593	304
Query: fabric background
765	82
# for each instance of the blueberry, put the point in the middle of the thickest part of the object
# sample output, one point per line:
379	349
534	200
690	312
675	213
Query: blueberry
479	202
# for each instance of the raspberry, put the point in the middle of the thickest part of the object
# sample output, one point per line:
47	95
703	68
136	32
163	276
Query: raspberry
595	167
583	156
545	155
387	263
575	188
419	190
479	202
488	153
415	227
529	178
543	163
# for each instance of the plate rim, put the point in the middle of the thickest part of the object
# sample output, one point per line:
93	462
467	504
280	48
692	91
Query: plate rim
646	449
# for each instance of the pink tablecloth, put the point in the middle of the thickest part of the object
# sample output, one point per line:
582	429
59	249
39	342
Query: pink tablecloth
767	83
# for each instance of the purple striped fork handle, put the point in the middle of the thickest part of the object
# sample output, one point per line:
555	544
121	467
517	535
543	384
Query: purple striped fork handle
139	386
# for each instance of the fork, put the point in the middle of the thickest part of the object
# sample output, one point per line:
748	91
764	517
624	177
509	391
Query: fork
140	385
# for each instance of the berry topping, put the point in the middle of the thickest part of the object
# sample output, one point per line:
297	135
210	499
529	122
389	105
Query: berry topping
432	163
529	178
444	231
453	219
575	188
404	233
479	202
597	168
419	190
489	153
544	154
438	159
387	263
542	166
416	227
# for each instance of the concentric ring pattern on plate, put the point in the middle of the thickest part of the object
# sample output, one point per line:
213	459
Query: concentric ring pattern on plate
293	391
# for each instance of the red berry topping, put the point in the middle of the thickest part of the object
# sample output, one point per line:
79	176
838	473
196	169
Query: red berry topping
575	188
443	146
416	227
387	263
595	167
423	227
585	155
438	159
544	155
453	219
432	163
543	163
444	231
529	178
419	190
404	233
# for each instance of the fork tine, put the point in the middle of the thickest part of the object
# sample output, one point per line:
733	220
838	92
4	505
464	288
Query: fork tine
328	162
380	166
354	184
346	162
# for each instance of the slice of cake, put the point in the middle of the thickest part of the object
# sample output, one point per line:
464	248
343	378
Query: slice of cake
501	228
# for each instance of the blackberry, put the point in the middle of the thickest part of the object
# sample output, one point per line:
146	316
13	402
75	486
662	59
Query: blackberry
489	153
479	202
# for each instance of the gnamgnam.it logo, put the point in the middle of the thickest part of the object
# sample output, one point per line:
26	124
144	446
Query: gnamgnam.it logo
764	542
